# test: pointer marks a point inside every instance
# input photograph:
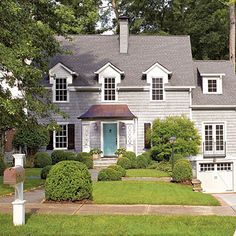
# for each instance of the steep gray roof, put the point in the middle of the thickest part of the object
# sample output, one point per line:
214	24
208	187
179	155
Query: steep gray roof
91	52
229	83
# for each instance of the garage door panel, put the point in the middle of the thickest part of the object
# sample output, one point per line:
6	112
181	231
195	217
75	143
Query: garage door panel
216	177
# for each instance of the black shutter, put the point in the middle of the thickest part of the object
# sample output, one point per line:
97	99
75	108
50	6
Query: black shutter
147	142
50	144
71	136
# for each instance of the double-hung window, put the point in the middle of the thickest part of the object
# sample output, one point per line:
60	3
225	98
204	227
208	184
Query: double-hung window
157	89
214	136
61	90
61	138
109	89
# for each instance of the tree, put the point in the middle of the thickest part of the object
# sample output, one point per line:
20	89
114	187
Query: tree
187	137
206	21
27	41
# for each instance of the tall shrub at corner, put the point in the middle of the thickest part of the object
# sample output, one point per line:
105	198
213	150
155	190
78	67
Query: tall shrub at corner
187	137
182	171
68	181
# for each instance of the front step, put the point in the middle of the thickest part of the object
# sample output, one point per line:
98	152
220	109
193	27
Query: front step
104	162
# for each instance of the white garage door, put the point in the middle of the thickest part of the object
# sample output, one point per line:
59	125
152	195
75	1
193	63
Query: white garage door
216	177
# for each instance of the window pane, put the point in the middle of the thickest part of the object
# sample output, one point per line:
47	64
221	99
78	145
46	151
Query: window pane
157	89
61	89
61	137
109	89
212	86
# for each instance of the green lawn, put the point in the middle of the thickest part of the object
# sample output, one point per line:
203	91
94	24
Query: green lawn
146	173
149	192
32	180
120	225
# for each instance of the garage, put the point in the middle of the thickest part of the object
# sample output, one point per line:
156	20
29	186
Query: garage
216	177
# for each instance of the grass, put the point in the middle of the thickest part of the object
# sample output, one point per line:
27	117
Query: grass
32	180
120	225
149	192
146	173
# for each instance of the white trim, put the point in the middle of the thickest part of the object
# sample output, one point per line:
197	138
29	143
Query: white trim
84	88
212	74
63	66
164	94
103	90
159	66
102	138
109	65
179	87
213	106
54	90
205	81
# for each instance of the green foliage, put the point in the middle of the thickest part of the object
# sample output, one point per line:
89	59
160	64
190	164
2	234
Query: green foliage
153	165
124	162
42	159
164	166
109	174
119	169
32	137
120	151
177	157
187	137
68	181
182	171
57	156
45	171
208	29
2	165
95	151
132	157
143	161
85	158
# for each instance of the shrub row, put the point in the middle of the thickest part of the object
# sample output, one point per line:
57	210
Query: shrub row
111	173
130	161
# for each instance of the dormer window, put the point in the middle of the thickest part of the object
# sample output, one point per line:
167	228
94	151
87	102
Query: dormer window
61	94
212	83
60	77
157	89
109	89
157	76
109	76
212	86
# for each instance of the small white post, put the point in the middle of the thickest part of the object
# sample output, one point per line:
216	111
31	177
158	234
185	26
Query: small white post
19	203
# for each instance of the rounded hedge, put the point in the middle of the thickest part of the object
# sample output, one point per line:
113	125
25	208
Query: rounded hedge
132	157
42	159
68	181
164	166
57	156
45	171
109	174
85	158
142	161
182	171
124	162
119	169
2	166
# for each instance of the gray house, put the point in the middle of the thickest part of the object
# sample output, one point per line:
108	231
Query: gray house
113	87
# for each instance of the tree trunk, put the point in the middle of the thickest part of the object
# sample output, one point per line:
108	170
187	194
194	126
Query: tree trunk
232	34
114	4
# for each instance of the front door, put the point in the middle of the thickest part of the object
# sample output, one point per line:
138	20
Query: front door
109	139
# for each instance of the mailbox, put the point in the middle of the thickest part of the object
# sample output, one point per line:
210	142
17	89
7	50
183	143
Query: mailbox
14	175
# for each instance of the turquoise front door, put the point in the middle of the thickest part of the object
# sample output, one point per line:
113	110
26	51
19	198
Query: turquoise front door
109	139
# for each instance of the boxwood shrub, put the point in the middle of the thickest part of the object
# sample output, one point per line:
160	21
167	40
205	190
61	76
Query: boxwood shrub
143	161
2	165
124	162
42	159
68	181
45	171
85	158
57	156
119	169
182	171
132	157
109	174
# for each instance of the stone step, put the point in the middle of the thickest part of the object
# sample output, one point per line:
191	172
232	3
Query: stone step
104	162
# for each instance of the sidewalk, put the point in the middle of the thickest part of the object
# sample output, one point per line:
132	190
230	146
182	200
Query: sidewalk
35	198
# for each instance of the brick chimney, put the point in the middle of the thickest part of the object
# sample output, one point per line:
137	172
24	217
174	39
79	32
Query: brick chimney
124	33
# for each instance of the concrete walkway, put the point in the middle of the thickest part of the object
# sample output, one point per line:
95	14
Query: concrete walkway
227	199
94	209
